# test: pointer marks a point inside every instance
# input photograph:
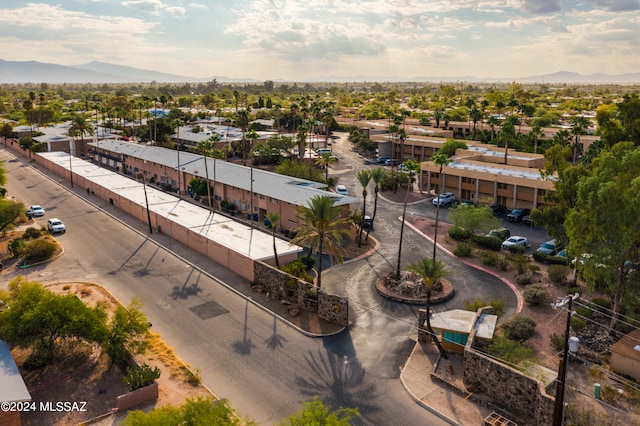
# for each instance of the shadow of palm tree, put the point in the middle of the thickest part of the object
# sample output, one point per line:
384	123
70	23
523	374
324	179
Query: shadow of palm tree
244	346
340	381
275	340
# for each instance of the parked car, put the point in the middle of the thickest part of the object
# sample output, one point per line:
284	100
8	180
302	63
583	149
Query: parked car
35	211
55	225
444	199
342	190
514	241
402	168
548	247
466	203
382	160
517	215
528	221
502	233
324	151
391	162
367	221
498	209
335	157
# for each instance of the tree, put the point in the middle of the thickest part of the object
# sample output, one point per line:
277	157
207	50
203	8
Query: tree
602	227
274	219
321	228
377	176
81	127
40	318
127	332
205	148
176	124
195	411
252	136
474	219
439	159
413	167
9	211
507	134
579	125
535	133
364	177
316	413
323	160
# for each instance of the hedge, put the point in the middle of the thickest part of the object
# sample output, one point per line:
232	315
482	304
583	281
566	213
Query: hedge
487	241
551	260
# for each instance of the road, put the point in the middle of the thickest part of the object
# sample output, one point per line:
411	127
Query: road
243	353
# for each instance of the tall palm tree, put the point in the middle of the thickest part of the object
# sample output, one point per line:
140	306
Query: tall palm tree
493	121
273	219
321	228
439	159
535	133
431	271
81	127
176	124
302	141
242	120
377	176
579	125
252	136
364	177
205	147
413	167
507	133
323	160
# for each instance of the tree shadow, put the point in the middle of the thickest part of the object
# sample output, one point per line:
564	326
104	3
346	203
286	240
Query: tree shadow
244	346
186	291
275	340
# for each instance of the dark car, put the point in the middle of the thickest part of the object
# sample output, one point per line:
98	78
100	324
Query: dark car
502	233
367	222
517	215
498	209
528	221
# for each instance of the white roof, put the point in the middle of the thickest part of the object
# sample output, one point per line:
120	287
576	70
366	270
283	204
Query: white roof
252	243
462	321
13	387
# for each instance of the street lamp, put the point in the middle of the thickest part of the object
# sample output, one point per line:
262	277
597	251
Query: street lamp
70	169
569	345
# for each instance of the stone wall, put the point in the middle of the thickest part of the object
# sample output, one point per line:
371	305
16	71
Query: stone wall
279	285
523	397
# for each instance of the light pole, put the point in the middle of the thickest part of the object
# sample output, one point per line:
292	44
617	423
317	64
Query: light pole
146	201
558	409
70	168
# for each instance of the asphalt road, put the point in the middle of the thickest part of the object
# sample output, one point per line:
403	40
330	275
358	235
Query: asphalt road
265	368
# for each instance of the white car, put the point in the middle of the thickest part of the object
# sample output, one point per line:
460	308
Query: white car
444	199
342	190
35	211
514	241
55	226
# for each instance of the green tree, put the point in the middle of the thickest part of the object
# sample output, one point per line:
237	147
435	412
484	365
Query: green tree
80	126
176	124
323	160
439	159
413	167
316	413
195	411
603	223
127	332
450	147
205	148
364	177
377	176
474	219
274	219
322	229
579	125
9	211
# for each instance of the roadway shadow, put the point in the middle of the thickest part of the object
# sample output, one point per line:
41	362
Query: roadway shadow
339	380
186	291
275	340
244	346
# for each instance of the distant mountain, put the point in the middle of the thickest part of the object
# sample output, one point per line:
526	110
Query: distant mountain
99	72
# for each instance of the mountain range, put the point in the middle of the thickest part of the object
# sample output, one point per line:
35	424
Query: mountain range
16	72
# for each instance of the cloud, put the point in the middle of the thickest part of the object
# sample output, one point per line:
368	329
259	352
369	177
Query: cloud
542	7
618	5
150	6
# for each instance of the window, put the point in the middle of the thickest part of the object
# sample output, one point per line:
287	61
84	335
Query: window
503	185
262	197
452	337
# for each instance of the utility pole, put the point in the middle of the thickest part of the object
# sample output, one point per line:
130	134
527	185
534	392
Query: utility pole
561	382
146	201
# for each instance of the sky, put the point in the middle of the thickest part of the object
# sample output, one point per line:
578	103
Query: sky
314	39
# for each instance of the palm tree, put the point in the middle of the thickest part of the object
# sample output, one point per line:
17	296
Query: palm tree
431	271
579	125
413	166
302	141
507	133
364	177
176	124
439	159
535	133
273	219
81	127
437	115
493	121
205	147
377	176
321	228
323	160
242	120
252	135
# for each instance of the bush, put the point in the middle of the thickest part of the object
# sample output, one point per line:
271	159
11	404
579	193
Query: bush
31	233
39	250
520	328
16	247
577	324
514	249
487	241
521	262
557	342
550	260
558	274
523	279
503	263
459	234
298	269
536	294
605	304
463	249
490	258
308	261
475	304
574	290
509	350
140	376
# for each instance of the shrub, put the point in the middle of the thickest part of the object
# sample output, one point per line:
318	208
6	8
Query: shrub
298	269
536	294
557	342
31	233
577	324
520	328
489	258
558	274
487	241
509	350
574	290
308	261
16	247
140	376
504	262
521	262
523	279
514	249
475	304
550	260
604	304
463	249
39	250
584	311
458	233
